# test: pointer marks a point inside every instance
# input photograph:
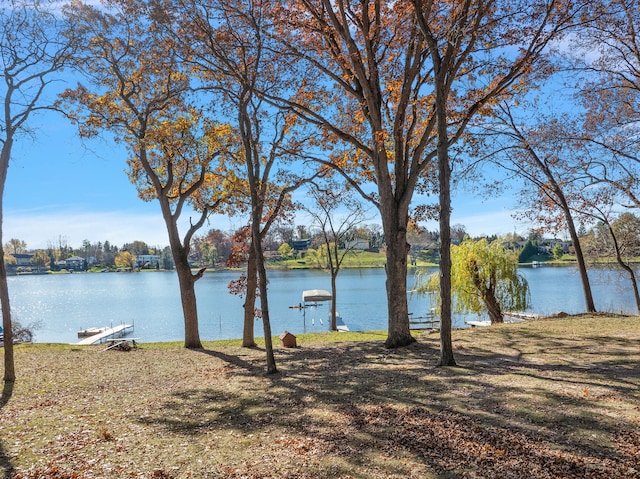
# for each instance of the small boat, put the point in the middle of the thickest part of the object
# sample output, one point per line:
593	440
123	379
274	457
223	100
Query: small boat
478	324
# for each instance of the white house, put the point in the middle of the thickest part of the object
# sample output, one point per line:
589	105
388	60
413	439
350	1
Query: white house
357	244
151	259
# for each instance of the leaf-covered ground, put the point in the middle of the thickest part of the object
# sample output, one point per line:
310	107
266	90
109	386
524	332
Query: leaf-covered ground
546	399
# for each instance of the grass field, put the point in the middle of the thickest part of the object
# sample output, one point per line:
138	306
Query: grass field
556	398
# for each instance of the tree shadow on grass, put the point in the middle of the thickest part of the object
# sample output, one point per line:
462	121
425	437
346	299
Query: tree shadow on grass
250	367
5	460
361	402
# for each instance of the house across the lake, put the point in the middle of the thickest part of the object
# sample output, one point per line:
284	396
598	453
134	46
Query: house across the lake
357	244
73	263
301	245
148	260
23	259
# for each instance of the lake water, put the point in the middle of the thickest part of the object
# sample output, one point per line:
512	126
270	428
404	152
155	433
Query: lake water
64	304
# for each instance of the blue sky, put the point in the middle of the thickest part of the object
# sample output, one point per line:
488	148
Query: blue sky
58	187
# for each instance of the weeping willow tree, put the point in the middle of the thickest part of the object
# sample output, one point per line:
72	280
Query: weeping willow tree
484	278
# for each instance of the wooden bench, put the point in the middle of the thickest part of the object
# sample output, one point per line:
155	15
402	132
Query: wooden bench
421	323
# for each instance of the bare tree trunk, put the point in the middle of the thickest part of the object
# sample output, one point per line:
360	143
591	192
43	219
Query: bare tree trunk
189	306
399	333
186	279
561	200
248	334
334	291
493	307
444	184
582	265
264	302
7	326
625	266
446	345
632	278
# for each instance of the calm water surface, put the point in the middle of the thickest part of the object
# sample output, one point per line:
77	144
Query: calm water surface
64	304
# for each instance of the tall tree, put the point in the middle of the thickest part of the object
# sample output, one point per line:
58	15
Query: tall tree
368	93
14	246
125	259
32	53
336	214
234	62
140	94
543	154
396	85
481	51
484	278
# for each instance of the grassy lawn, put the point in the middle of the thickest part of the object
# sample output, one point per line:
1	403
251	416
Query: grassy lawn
556	398
355	259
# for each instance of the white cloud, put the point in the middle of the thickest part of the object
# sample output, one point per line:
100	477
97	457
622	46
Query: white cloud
498	222
39	228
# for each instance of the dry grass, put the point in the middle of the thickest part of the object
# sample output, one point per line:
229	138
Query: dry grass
551	398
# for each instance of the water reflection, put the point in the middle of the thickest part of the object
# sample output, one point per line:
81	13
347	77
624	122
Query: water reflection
64	304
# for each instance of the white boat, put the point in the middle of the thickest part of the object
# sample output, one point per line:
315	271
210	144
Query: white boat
507	317
478	324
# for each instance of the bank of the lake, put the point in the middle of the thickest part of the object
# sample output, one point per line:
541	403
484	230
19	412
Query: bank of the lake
61	305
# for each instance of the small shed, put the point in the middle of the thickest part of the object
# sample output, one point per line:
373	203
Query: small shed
288	340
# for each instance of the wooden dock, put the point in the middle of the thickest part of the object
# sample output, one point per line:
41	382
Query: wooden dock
105	334
522	315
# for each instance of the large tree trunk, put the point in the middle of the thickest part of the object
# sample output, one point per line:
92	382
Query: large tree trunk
248	333
444	184
186	279
493	307
446	345
189	306
7	326
399	333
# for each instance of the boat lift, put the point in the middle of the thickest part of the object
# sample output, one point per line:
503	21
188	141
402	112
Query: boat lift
311	296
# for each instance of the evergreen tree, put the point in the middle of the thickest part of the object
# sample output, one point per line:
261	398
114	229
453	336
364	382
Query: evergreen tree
527	252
